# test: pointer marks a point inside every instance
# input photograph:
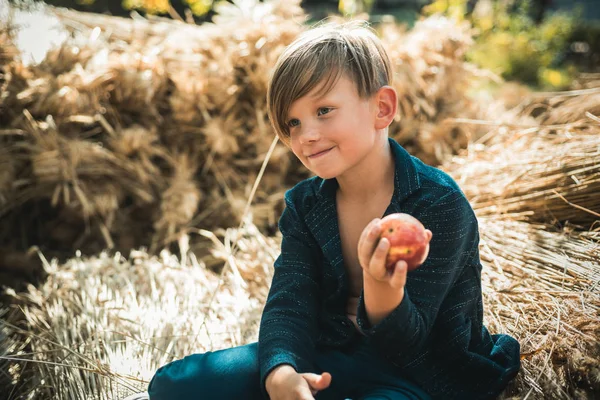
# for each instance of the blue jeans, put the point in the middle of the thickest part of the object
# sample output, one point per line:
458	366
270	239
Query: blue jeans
357	373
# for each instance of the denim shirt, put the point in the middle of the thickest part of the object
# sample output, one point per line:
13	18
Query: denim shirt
434	337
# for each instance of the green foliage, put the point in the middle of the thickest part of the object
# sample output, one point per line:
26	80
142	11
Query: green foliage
198	7
511	44
353	7
149	6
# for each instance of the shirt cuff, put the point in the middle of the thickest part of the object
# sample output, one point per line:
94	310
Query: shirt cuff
394	323
281	358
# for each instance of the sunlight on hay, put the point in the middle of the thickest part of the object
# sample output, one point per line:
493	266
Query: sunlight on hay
155	91
108	322
555	177
147	94
122	318
548	299
37	34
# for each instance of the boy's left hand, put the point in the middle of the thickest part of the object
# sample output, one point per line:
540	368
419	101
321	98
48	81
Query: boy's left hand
372	253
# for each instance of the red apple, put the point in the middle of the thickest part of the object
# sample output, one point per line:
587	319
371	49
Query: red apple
407	238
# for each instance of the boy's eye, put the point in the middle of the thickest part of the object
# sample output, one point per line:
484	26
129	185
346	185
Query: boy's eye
323	110
293	122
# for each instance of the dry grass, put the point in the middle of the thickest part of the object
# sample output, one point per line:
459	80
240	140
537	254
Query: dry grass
111	321
100	127
99	327
544	173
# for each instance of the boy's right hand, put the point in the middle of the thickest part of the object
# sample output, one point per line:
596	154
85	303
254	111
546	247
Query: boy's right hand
284	383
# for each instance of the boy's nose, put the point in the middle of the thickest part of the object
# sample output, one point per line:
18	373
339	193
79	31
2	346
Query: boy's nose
309	134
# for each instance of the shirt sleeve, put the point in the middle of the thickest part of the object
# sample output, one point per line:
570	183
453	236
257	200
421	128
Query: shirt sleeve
406	330
289	319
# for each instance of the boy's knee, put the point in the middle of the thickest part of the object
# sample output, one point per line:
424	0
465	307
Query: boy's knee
229	370
173	381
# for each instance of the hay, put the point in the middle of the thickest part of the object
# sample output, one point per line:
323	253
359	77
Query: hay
546	173
432	81
129	97
140	95
533	182
528	253
569	108
79	174
7	174
100	327
549	300
110	321
8	368
8	51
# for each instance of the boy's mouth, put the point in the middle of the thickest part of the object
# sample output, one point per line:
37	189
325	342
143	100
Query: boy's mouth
320	153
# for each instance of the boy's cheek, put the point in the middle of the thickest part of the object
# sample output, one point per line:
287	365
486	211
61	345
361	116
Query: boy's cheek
296	151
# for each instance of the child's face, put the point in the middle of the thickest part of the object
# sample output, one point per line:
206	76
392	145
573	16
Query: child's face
332	133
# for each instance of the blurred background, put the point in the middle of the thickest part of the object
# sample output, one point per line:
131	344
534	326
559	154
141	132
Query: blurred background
543	43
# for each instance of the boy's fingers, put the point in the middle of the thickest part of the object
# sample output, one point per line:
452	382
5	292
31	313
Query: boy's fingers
367	229
366	242
318	382
364	236
425	254
374	232
377	263
310	378
304	390
305	393
398	279
429	235
325	380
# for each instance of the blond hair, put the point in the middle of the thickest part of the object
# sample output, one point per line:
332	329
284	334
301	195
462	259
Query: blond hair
322	55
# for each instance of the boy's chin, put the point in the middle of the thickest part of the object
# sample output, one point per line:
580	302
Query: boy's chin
324	175
320	173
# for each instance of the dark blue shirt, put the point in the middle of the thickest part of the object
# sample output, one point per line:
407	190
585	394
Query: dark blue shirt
435	336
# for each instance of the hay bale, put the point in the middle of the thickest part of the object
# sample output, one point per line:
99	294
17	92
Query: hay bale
432	80
154	91
527	254
533	189
99	327
148	309
542	174
549	300
129	96
7	174
179	202
79	173
570	108
13	81
8	50
9	369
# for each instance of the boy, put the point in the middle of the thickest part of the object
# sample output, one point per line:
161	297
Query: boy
336	324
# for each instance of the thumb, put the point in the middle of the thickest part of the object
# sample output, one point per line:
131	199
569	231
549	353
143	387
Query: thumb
305	392
429	235
318	382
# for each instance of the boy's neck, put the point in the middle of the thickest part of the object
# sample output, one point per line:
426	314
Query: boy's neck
374	177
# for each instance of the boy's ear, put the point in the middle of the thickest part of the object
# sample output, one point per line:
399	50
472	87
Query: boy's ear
387	106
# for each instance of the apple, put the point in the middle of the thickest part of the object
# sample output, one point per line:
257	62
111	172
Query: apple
407	237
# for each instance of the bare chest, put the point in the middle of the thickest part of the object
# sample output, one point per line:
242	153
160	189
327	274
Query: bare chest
352	220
